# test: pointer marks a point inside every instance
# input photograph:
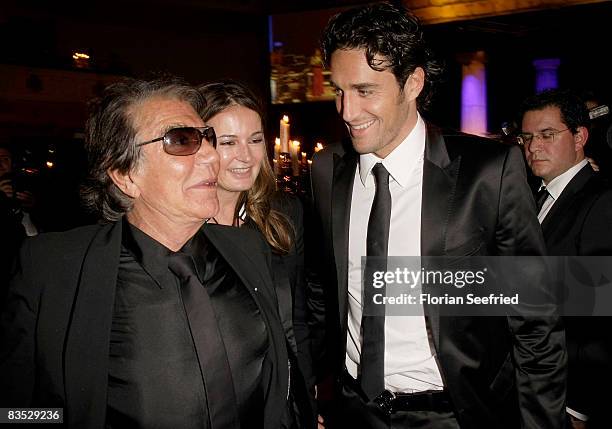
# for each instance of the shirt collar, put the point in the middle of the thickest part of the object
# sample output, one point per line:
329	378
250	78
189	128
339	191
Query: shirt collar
558	184
401	162
148	252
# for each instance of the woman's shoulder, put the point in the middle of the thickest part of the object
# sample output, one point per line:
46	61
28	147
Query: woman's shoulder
287	204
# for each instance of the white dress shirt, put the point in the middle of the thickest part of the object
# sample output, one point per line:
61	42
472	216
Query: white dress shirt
556	186
410	364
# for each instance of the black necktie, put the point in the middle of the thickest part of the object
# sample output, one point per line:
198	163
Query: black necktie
541	196
372	364
214	365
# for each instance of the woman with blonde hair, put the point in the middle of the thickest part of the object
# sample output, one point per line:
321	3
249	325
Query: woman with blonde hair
246	188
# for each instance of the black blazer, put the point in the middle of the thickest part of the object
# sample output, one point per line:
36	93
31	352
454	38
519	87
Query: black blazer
475	202
290	285
54	332
580	223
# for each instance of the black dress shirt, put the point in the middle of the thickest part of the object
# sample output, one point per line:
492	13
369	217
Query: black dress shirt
154	374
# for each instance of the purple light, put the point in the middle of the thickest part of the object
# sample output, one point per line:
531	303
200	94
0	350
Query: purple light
474	97
546	73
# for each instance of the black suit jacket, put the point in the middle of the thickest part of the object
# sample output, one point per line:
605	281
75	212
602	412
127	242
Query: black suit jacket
475	202
55	329
580	223
290	285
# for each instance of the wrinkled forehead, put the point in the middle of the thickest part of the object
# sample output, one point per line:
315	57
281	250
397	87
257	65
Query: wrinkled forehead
159	114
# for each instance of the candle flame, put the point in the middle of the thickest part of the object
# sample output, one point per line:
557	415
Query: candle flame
49	164
296	143
303	154
286	119
277	141
310	161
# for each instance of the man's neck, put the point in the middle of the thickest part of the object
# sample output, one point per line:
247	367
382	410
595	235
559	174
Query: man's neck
172	235
550	180
402	134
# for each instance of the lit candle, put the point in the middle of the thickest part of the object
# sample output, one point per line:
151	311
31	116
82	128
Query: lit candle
277	151
284	134
318	147
276	167
295	163
303	158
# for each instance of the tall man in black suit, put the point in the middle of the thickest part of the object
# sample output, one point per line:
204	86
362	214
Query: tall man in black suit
575	210
450	195
151	319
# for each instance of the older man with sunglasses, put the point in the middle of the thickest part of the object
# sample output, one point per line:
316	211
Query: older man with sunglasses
149	319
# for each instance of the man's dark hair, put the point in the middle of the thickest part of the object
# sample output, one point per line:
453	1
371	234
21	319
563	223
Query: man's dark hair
110	138
384	30
573	110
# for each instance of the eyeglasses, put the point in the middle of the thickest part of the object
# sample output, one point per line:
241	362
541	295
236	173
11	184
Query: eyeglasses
184	141
546	137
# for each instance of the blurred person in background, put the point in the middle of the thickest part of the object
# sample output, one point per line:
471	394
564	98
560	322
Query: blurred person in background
599	149
16	202
15	187
575	210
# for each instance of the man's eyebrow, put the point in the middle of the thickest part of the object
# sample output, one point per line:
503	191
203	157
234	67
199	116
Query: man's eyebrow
365	85
358	86
174	125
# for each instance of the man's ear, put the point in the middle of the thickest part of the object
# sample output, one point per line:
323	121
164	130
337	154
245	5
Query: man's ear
580	138
124	182
414	84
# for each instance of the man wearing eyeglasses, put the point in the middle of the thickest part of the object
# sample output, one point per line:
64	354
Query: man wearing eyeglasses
151	319
575	211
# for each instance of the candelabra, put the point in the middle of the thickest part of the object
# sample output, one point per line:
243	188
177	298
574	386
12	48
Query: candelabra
291	167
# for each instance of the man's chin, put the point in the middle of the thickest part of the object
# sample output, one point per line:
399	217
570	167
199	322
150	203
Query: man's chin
361	146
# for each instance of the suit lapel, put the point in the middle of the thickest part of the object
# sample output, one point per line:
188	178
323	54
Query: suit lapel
439	183
238	248
342	190
567	196
88	337
243	258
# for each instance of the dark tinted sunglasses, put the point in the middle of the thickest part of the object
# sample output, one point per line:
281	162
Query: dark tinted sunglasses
185	141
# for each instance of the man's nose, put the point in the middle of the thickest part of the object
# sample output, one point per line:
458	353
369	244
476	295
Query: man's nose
349	107
207	154
536	144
